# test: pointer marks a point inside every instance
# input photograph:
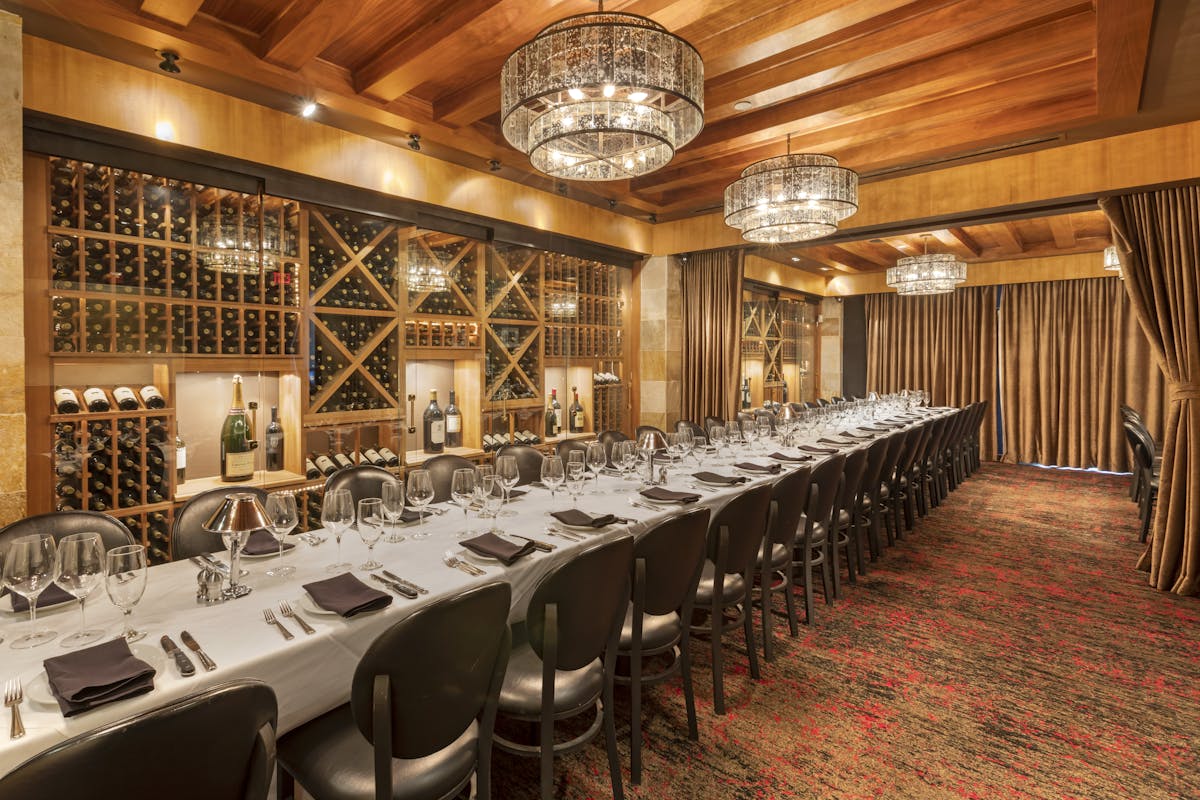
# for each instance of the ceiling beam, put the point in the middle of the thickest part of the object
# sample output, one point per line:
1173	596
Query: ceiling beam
1062	228
959	242
1008	238
307	27
1122	41
177	12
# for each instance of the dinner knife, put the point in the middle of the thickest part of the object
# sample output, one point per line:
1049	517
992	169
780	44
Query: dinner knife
186	667
404	582
398	588
208	664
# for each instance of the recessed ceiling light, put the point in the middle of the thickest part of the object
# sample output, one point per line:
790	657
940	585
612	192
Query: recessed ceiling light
308	109
743	105
826	269
795	258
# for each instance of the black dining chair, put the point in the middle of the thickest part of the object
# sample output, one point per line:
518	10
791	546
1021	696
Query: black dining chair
698	434
863	503
608	439
566	446
529	462
735	536
1143	454
789	494
844	533
666	568
188	537
59	524
363	481
813	543
441	471
710	422
219	743
422	708
566	667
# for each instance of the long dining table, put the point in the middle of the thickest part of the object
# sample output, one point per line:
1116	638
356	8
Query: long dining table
311	674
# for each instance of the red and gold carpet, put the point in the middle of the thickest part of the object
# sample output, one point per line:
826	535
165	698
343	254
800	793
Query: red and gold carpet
1006	649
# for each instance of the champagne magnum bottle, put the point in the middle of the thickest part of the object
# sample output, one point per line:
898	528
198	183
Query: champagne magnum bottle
453	424
575	413
274	441
435	425
237	444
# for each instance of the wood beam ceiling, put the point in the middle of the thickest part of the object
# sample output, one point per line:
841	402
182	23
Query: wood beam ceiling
305	29
177	12
1122	41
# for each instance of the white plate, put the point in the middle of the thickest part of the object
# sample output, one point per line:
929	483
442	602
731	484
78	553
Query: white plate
789	461
7	607
37	688
466	553
585	528
306	603
664	503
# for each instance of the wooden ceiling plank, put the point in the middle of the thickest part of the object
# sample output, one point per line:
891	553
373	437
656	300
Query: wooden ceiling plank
177	12
1062	229
1122	42
307	27
1007	237
957	241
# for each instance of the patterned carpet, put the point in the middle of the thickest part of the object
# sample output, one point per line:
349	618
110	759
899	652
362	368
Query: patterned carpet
1006	649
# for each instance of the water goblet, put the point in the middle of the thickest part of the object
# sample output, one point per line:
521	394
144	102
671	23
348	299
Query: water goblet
393	509
492	498
125	582
508	475
596	460
576	474
552	473
281	513
420	494
30	565
80	562
370	528
462	492
337	515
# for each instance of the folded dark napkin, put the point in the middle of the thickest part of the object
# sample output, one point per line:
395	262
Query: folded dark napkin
490	545
262	543
346	595
669	496
785	457
750	466
835	442
412	515
52	595
513	494
582	519
885	429
724	480
825	451
850	435
94	676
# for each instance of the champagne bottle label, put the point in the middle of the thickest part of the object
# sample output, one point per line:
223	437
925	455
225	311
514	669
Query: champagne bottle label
437	431
453	424
239	465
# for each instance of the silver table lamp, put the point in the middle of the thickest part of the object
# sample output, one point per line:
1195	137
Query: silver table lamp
238	516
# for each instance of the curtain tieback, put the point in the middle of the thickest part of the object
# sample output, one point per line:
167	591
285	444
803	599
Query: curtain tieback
1185	391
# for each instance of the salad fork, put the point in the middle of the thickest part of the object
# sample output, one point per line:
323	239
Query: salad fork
269	616
455	562
14	695
285	608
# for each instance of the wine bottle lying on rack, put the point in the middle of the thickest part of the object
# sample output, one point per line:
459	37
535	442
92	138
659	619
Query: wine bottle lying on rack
65	401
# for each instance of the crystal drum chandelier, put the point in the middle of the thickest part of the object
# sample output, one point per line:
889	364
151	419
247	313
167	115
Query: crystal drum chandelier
791	198
602	96
928	273
426	275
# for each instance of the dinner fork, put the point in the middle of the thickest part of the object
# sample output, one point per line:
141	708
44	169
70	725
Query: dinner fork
14	695
269	616
455	562
285	608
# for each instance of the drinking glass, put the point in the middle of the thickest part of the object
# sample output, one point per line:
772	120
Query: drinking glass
716	435
491	494
509	475
80	570
733	431
552	473
125	582
462	492
625	456
673	447
370	528
393	509
764	432
337	514
596	460
282	516
576	473
29	567
420	494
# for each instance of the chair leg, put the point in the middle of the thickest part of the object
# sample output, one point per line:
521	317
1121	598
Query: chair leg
789	599
826	578
718	625
748	627
833	558
765	576
285	784
635	714
610	733
546	740
689	696
808	587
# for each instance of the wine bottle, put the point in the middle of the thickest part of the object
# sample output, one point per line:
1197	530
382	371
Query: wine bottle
326	465
274	441
152	397
531	437
95	399
489	443
126	399
745	393
373	457
453	424
342	460
391	458
575	413
311	470
237	444
65	401
434	425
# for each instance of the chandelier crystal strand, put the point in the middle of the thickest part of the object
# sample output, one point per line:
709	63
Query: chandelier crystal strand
791	198
602	96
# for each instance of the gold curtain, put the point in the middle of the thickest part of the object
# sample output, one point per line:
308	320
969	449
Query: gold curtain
1071	353
712	334
944	344
1158	236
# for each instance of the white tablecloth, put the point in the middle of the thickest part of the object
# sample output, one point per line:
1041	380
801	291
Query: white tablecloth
310	674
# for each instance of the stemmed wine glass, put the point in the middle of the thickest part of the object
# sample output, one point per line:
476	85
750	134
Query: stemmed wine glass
596	460
80	570
576	473
282	516
337	514
716	435
625	456
552	473
462	492
420	494
125	582
393	509
491	493
29	567
370	528
508	475
764	432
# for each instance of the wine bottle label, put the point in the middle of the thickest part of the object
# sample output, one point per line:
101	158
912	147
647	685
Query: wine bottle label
239	465
94	395
453	424
388	455
274	442
180	458
579	420
437	431
326	465
373	456
65	399
151	397
125	398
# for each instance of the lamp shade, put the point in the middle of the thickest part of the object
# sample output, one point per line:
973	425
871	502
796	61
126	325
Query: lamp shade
652	440
241	512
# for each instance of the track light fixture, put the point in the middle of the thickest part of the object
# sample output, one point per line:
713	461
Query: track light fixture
169	62
414	141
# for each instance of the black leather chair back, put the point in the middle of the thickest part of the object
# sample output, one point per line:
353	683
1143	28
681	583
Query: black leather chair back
745	517
1143	445
710	421
590	593
824	489
58	524
673	552
812	404
856	467
443	663
216	744
877	453
363	481
188	537
698	433
1129	413
789	495
891	461
529	462
821	401
608	439
914	445
570	446
441	474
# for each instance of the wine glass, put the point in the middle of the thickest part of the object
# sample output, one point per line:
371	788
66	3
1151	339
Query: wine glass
462	492
420	494
282	516
552	473
733	431
629	456
673	449
596	460
29	567
576	473
125	582
491	494
370	528
80	570
509	475
393	509
337	514
764	432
